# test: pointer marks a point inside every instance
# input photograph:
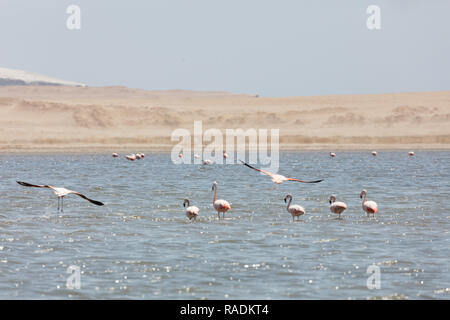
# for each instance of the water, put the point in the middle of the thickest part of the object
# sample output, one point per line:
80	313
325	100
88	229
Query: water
140	245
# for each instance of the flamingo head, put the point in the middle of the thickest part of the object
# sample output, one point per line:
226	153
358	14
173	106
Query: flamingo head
363	193
186	203
288	196
214	185
332	199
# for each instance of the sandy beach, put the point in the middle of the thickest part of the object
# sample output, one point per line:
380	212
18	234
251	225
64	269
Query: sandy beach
100	119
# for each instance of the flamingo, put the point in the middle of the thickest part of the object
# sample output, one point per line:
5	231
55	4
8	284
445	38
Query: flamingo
220	205
411	153
196	156
332	154
142	155
131	157
191	211
374	153
61	193
207	162
115	155
370	207
337	207
295	210
225	155
278	178
138	156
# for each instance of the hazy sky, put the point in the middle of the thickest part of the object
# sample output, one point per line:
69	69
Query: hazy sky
269	47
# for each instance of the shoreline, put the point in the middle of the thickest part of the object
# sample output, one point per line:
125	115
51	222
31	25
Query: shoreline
102	149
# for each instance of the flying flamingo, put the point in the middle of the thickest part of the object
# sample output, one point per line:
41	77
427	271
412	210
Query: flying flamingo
191	211
332	154
278	178
220	205
370	207
295	210
374	153
337	207
61	193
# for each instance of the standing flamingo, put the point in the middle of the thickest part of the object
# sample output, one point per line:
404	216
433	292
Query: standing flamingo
374	153
220	205
411	153
332	154
115	155
131	157
295	210
337	207
191	211
370	207
225	155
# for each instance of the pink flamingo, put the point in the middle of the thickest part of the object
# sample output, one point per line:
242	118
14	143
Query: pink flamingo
225	155
295	210
374	153
332	154
131	157
60	193
337	207
370	207
278	178
411	153
115	155
191	211
220	205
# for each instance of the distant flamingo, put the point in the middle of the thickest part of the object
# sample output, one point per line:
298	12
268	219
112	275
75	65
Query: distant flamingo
191	211
131	157
142	155
337	207
278	178
220	205
196	156
332	154
138	156
225	155
374	153
370	207
207	162
411	153
180	155
295	210
115	155
60	193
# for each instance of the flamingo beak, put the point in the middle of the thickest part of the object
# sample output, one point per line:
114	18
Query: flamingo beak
329	201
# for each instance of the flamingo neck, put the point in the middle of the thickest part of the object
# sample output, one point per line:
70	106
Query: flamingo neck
215	194
364	199
289	204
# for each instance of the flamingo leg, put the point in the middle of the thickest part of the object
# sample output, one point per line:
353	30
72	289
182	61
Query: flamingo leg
58	203
62	204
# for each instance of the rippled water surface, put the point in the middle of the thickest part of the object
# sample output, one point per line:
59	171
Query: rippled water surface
140	245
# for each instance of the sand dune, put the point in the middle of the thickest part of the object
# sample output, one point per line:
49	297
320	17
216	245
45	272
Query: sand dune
59	118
